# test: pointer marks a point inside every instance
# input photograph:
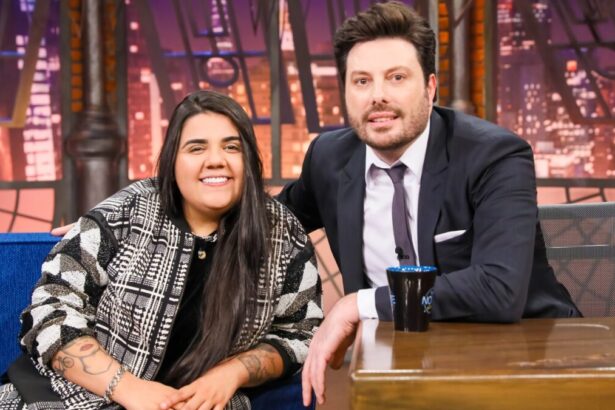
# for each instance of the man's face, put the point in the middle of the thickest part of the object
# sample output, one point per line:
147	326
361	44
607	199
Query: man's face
387	99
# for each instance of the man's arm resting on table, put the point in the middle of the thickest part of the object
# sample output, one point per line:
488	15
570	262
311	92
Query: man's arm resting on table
328	347
493	287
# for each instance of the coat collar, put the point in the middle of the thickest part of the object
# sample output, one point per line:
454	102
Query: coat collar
351	194
433	181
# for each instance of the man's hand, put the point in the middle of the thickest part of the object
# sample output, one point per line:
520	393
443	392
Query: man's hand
62	230
328	347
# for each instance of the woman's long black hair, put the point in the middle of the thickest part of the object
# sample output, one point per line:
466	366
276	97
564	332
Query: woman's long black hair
230	290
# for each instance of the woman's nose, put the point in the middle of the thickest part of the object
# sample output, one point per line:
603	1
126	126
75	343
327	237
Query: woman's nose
214	158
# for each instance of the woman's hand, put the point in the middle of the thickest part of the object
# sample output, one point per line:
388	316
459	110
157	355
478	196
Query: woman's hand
216	387
133	393
212	390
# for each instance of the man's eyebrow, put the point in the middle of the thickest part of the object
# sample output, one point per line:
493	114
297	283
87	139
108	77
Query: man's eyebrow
397	68
357	72
388	70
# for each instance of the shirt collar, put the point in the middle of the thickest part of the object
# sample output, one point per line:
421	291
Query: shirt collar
413	157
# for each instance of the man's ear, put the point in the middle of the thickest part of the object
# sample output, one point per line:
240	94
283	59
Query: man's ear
432	86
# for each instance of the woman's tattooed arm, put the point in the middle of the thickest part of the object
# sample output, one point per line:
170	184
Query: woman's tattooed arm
84	361
86	354
262	363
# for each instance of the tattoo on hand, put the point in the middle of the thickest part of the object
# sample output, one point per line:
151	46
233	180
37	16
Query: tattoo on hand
83	351
259	363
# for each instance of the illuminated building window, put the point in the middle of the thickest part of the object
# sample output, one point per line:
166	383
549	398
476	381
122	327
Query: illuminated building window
565	99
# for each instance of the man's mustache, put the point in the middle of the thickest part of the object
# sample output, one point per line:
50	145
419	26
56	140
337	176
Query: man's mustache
380	108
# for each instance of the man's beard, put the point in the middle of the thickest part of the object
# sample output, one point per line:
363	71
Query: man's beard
413	124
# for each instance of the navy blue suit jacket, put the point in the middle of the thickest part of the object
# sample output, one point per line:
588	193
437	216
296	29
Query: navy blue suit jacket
477	177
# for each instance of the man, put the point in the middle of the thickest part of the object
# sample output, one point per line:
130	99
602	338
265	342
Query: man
469	189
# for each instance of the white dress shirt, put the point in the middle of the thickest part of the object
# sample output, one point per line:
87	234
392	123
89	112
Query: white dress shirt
378	240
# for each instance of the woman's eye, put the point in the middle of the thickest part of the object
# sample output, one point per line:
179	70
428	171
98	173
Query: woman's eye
195	149
233	148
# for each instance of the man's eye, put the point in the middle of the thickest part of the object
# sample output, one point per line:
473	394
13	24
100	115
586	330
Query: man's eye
398	77
361	81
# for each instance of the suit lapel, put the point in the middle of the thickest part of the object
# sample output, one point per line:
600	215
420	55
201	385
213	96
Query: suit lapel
351	194
433	183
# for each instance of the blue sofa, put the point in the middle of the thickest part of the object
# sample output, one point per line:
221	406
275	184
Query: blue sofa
21	256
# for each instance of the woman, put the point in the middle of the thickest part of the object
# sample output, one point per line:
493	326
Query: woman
178	290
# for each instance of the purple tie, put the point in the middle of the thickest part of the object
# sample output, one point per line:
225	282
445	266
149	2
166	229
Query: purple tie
401	230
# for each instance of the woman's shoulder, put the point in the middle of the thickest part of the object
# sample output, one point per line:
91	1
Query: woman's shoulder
145	186
280	214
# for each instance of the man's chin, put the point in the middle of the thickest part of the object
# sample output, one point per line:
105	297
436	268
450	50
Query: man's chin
379	144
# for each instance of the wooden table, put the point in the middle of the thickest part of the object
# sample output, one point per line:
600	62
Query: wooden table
537	364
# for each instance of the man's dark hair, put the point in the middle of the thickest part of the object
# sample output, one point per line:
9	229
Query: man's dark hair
386	20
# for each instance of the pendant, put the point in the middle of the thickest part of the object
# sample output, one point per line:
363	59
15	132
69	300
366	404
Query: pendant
201	254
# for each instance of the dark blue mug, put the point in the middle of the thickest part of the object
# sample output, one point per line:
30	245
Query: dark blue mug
411	290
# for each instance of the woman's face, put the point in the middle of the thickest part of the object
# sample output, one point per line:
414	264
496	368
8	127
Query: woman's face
208	169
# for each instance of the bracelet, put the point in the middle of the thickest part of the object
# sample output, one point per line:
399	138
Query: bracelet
113	383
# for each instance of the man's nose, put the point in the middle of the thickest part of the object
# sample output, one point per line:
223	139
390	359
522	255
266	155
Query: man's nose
379	94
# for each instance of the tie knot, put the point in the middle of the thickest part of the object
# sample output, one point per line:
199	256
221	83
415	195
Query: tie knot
396	173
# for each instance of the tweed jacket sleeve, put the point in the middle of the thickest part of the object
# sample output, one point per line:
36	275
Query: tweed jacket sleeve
298	312
65	298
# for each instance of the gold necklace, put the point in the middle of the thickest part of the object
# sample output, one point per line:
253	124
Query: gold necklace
201	253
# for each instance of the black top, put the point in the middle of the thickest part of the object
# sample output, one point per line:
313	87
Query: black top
184	329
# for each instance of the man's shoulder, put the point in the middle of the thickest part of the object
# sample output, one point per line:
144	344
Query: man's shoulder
341	138
333	149
470	130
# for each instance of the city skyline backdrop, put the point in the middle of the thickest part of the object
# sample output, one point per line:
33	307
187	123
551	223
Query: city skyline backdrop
224	48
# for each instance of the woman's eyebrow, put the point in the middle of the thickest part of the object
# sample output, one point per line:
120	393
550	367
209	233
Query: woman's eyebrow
231	138
205	140
195	141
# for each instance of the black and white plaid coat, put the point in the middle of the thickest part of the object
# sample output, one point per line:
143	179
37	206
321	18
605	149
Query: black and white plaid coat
119	274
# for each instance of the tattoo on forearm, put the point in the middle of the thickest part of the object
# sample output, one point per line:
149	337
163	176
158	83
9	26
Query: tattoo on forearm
61	364
85	352
260	363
